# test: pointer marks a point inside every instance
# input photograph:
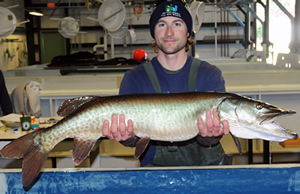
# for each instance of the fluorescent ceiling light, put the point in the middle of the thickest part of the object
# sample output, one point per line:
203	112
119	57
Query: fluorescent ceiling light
35	13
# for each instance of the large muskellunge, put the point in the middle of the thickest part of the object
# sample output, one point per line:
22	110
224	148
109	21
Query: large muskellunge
160	117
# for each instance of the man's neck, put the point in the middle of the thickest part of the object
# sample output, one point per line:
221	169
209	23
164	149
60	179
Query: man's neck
172	62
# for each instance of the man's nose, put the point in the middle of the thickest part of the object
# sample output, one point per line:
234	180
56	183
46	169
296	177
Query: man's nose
169	31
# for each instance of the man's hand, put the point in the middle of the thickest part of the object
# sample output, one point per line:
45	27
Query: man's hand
213	126
118	131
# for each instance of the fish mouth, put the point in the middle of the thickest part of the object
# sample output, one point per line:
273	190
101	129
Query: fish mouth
288	134
268	119
293	134
271	116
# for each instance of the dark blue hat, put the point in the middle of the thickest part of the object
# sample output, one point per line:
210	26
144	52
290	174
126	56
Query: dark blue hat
171	8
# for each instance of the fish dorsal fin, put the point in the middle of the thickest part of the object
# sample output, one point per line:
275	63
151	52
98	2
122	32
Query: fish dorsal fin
71	105
237	143
82	148
141	146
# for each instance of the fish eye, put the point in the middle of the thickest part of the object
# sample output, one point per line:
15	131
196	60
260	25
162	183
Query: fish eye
259	106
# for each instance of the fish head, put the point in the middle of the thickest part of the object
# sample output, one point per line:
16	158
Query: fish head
260	112
254	119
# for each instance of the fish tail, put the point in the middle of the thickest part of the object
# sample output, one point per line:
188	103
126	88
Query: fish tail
34	158
18	148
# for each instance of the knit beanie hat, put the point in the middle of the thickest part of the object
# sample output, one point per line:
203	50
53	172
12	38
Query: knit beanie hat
171	8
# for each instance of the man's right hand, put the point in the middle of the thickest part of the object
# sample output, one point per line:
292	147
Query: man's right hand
118	130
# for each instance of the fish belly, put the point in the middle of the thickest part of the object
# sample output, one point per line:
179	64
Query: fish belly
164	121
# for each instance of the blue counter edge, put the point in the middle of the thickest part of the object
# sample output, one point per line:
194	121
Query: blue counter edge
229	179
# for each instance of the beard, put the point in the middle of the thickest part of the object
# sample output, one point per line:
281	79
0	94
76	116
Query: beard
170	50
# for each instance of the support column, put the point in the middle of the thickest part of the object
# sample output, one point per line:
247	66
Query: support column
247	29
295	39
266	41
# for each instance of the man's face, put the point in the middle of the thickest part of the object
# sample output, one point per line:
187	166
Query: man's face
170	34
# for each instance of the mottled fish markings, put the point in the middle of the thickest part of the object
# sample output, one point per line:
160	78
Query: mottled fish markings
162	117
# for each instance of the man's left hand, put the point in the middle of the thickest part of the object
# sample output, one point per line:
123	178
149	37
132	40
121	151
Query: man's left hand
213	127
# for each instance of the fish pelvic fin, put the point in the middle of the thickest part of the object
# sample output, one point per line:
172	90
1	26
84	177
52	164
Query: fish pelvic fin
141	146
34	158
82	148
237	143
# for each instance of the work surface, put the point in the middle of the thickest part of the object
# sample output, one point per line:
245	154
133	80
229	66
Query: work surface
9	133
225	179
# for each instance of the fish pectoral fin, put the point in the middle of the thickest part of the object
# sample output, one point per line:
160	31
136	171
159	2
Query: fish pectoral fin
82	148
141	146
237	143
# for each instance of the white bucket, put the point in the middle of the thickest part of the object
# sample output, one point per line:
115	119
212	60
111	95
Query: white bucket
111	15
197	11
8	22
68	27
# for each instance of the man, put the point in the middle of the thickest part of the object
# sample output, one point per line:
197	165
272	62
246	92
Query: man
5	102
171	28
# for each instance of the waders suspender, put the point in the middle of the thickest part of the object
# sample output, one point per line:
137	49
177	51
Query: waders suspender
192	75
165	150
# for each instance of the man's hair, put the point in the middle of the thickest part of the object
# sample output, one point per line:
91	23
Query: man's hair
188	44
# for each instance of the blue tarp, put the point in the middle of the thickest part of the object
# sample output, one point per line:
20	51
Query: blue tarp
229	180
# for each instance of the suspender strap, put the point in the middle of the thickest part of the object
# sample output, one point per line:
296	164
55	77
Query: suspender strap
166	152
152	76
193	74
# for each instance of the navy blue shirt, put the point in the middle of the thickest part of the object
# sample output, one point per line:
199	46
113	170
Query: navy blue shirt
136	81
